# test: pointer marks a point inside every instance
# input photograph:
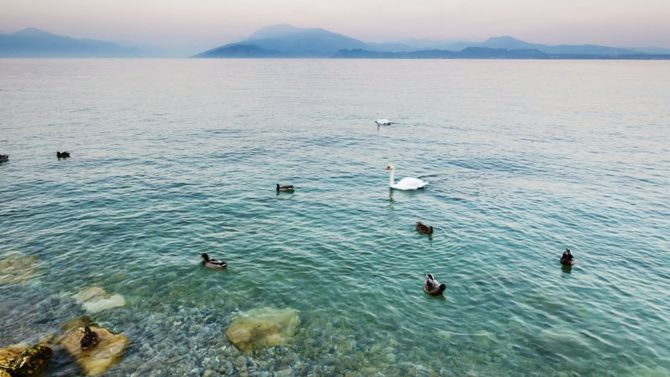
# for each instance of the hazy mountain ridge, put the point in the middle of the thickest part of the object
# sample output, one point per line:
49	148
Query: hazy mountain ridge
286	41
466	53
289	41
33	42
587	49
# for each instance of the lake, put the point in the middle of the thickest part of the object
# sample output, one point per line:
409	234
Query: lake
174	158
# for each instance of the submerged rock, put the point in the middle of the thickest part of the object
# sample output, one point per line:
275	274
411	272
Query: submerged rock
96	299
17	268
265	327
564	341
98	359
18	361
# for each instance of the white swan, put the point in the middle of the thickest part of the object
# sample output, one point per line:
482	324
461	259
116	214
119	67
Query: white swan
382	121
406	183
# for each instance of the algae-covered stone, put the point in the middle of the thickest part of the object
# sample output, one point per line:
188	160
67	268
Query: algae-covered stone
564	341
95	299
97	360
265	327
17	268
18	361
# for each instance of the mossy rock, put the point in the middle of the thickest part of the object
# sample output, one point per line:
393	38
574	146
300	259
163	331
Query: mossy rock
97	360
260	328
16	268
18	361
96	299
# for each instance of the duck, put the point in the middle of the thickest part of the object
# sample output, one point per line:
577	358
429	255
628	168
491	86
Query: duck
285	188
406	183
4	157
567	259
63	154
424	229
432	286
212	263
89	340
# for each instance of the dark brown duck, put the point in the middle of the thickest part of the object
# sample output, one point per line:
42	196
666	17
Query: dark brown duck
89	340
284	188
567	259
423	228
432	286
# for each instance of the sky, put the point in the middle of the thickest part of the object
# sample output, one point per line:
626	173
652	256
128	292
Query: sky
190	26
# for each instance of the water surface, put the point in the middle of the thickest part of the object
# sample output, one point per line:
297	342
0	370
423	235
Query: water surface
173	158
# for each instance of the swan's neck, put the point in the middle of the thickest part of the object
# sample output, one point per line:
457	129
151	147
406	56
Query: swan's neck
392	178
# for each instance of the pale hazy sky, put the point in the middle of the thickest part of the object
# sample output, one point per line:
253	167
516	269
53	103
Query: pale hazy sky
193	25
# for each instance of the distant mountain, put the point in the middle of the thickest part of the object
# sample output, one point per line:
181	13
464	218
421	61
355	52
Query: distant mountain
390	47
428	44
369	54
507	42
467	53
512	43
652	50
288	41
33	42
501	53
239	50
274	31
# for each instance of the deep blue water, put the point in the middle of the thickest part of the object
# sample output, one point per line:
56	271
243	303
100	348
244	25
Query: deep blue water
173	158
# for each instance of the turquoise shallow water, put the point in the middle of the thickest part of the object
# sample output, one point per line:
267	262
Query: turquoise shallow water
173	158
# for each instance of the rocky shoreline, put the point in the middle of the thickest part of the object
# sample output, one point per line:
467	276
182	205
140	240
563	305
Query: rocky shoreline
191	341
181	339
